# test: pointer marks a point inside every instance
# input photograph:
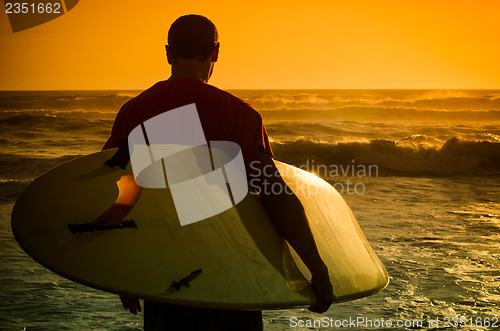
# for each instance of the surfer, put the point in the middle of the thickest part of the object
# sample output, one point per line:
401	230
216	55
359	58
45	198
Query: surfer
192	50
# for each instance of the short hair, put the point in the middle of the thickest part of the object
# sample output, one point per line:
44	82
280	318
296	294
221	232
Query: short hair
192	37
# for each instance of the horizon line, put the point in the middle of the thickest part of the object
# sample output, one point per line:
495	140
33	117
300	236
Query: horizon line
257	89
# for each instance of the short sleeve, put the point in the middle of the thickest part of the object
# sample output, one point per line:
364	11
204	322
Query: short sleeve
251	134
265	144
119	129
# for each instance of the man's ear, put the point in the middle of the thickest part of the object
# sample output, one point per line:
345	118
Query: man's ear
215	53
169	54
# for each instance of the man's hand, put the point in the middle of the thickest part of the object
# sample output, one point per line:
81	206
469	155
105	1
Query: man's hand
131	304
323	291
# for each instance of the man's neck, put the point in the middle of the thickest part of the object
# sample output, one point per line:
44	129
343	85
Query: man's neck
190	68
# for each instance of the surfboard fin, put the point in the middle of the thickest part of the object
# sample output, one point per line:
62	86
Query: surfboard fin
186	280
87	227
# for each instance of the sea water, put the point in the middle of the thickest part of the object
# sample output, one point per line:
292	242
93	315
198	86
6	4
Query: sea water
419	168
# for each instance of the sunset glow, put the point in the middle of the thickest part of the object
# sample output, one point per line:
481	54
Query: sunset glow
264	44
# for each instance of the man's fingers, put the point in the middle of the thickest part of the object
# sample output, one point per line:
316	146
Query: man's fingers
135	306
124	302
131	304
319	308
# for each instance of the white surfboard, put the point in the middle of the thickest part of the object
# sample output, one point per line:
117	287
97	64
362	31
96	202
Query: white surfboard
234	260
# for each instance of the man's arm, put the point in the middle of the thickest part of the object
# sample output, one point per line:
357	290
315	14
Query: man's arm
288	216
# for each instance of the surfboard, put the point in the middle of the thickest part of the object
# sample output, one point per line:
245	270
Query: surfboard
233	260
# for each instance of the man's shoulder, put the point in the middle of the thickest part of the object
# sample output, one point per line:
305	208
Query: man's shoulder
229	96
188	91
243	109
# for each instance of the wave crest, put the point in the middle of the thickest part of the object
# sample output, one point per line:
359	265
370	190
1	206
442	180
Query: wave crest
394	158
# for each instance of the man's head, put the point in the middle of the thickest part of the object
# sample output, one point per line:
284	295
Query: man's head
192	37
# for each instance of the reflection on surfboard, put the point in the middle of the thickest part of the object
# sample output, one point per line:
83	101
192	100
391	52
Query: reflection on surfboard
128	194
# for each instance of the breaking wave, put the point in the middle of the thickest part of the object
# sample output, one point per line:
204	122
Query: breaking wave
397	158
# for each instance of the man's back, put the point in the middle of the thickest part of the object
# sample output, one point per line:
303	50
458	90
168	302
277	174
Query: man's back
223	116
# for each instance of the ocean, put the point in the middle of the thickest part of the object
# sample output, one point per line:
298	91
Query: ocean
419	168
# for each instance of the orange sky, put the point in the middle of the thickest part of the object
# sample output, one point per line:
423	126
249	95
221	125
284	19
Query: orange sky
118	44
